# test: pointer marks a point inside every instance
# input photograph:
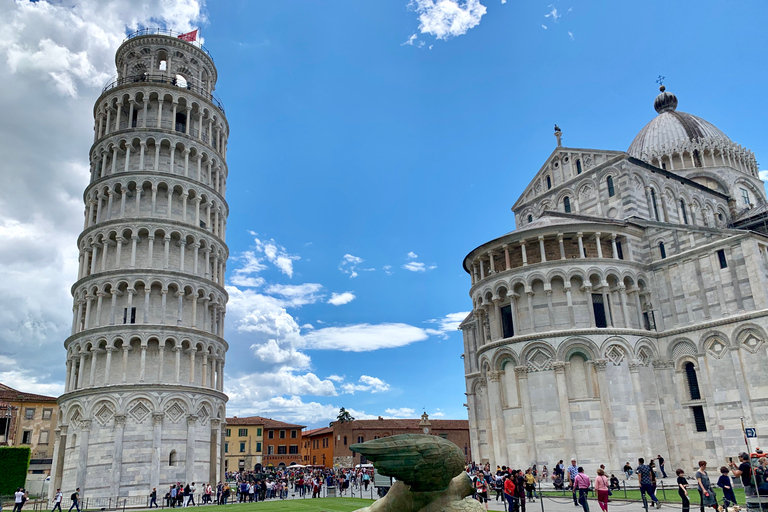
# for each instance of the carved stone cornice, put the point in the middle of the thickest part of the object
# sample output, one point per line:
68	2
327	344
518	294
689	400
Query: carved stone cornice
521	371
600	364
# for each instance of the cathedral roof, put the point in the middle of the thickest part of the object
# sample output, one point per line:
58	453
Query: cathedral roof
672	129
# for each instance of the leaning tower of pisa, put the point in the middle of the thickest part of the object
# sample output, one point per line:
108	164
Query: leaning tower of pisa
144	405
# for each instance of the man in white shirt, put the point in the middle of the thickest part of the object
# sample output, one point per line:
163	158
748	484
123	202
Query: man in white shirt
20	497
57	500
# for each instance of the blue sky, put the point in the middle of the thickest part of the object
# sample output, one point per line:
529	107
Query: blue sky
373	145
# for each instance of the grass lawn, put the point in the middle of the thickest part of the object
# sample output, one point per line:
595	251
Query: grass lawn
669	495
308	505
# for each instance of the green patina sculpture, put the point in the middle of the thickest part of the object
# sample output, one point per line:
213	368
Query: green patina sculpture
429	471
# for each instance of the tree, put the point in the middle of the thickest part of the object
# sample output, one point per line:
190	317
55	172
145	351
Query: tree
343	417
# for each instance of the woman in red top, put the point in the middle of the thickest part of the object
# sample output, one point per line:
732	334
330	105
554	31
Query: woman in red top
509	492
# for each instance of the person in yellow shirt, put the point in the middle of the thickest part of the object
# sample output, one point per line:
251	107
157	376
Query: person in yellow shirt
530	485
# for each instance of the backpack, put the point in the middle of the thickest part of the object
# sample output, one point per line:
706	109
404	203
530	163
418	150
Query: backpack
74	496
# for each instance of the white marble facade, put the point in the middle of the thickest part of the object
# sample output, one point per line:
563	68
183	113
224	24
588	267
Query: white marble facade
144	405
627	315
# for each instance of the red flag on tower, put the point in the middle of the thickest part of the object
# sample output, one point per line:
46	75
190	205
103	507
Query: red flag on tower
189	36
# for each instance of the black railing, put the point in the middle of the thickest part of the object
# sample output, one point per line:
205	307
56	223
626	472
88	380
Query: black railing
166	32
162	78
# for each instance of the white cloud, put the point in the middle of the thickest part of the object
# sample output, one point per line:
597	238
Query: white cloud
401	412
366	383
54	59
451	321
339	299
503	1
447	18
417	266
437	414
336	378
763	175
364	337
292	409
295	295
553	13
388	270
412	255
410	40
570	34
349	263
276	254
544	27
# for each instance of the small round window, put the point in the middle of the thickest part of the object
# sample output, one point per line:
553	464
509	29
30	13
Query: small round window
556	165
565	159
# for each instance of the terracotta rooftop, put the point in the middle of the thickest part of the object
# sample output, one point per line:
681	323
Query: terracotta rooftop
260	420
8	394
318	431
409	424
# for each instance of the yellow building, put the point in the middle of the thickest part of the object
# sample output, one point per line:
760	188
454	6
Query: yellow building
243	443
27	419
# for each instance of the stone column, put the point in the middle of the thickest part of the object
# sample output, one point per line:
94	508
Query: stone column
605	408
82	459
506	257
642	420
92	379
117	454
541	249
99	301
562	245
491	259
614	249
590	309
569	300
565	408
580	237
525	400
189	461
157	436
497	418
178	363
59	450
677	441
108	364
599	245
530	294
160	362
213	451
223	431
522	249
550	308
143	367
624	310
192	353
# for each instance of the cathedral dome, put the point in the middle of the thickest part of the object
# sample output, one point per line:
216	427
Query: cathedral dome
672	130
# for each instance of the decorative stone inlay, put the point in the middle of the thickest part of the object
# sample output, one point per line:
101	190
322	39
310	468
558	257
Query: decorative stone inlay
752	343
175	412
683	349
203	415
539	360
104	414
716	348
140	411
76	418
644	356
616	355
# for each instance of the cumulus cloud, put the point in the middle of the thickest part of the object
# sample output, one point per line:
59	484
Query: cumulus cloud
447	18
449	323
416	266
763	175
412	255
364	337
339	299
365	383
275	254
295	295
437	414
336	378
54	59
292	409
401	412
349	263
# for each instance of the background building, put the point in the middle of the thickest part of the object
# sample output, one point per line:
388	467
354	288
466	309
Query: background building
317	447
626	315
282	443
358	431
243	443
27	419
144	402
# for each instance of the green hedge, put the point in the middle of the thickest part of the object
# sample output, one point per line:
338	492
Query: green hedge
14	462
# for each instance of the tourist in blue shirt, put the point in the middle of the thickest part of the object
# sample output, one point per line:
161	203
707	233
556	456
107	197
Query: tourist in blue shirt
646	484
572	471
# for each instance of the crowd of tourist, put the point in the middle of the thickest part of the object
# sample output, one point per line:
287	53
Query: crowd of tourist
517	486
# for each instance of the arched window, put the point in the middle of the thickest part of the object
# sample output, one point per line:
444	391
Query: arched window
549	183
693	381
682	209
653	204
360	439
530	219
611	189
181	122
662	251
172	458
567	204
578	166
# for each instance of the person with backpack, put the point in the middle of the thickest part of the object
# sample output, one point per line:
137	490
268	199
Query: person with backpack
152	498
75	500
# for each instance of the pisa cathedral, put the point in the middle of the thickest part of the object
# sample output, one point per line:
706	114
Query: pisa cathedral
143	405
627	313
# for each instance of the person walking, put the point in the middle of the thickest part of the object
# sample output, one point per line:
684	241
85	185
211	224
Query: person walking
661	466
509	492
152	498
57	500
724	482
75	500
481	489
582	483
571	472
602	487
646	483
682	490
19	499
707	494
